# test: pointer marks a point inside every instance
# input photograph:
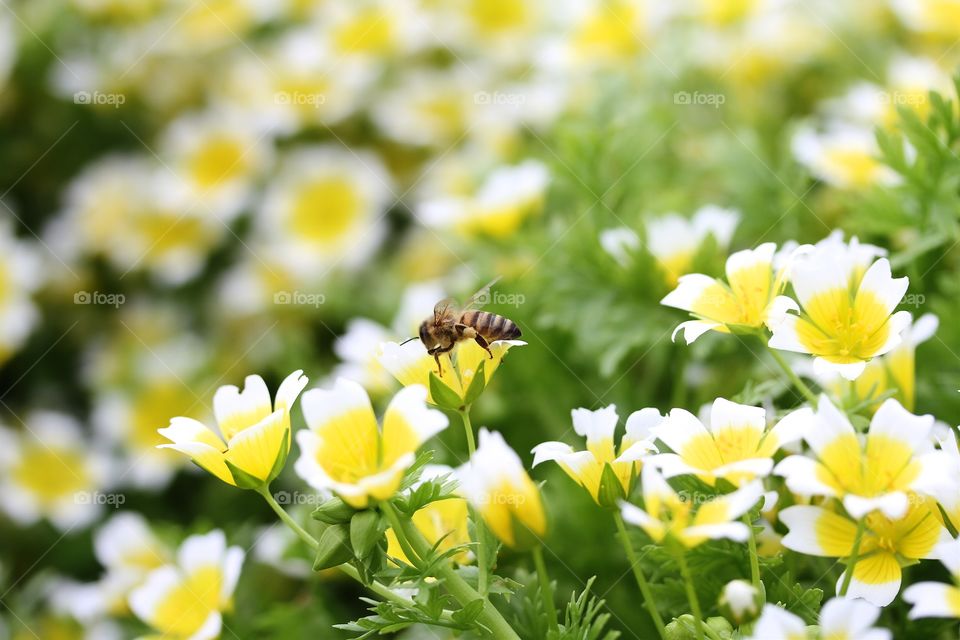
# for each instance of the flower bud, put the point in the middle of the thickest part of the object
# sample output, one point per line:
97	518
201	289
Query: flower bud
740	601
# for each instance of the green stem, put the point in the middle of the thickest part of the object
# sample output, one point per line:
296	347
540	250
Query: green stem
380	589
691	594
754	559
546	590
854	556
794	378
479	527
468	430
457	586
648	601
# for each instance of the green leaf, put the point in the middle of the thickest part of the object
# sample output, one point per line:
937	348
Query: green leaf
470	613
281	459
333	548
442	395
611	491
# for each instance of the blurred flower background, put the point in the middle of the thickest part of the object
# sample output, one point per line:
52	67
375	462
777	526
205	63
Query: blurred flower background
194	190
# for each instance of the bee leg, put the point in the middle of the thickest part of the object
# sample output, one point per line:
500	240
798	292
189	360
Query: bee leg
435	352
483	343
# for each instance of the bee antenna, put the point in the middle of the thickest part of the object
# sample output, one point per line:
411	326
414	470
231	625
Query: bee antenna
408	340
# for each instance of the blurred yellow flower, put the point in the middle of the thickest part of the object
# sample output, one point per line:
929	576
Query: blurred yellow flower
344	451
496	484
887	544
845	156
589	467
674	240
844	322
49	471
750	299
669	515
254	436
186	600
737	447
411	364
894	460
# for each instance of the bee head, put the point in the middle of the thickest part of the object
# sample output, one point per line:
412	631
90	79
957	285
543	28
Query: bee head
425	334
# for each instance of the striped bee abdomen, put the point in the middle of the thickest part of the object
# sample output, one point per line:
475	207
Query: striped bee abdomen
490	325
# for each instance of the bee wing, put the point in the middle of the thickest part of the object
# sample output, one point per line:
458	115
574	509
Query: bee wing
445	307
482	296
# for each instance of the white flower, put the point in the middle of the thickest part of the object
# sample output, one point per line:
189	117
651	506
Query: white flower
936	599
674	240
48	471
185	600
839	618
324	210
742	599
20	275
843	156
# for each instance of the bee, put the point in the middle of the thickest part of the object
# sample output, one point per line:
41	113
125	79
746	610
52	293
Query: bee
449	325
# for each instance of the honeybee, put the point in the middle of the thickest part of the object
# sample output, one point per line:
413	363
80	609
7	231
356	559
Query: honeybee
449	325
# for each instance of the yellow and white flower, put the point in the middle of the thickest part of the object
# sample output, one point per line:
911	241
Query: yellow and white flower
194	28
893	372
253	436
668	515
877	472
20	275
443	521
412	365
749	299
496	484
675	240
129	196
497	207
886	546
429	108
187	599
936	599
588	467
839	618
947	494
49	471
359	347
844	321
344	451
128	550
737	447
843	155
216	156
128	417
372	29
325	210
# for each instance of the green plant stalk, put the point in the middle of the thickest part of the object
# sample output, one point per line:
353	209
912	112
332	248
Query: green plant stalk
691	594
457	586
380	589
754	558
854	556
648	601
794	378
546	591
479	527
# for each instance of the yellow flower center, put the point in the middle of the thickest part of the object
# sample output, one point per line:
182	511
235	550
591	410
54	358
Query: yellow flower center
841	329
51	474
153	408
492	16
886	464
325	209
609	32
854	166
371	31
218	160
